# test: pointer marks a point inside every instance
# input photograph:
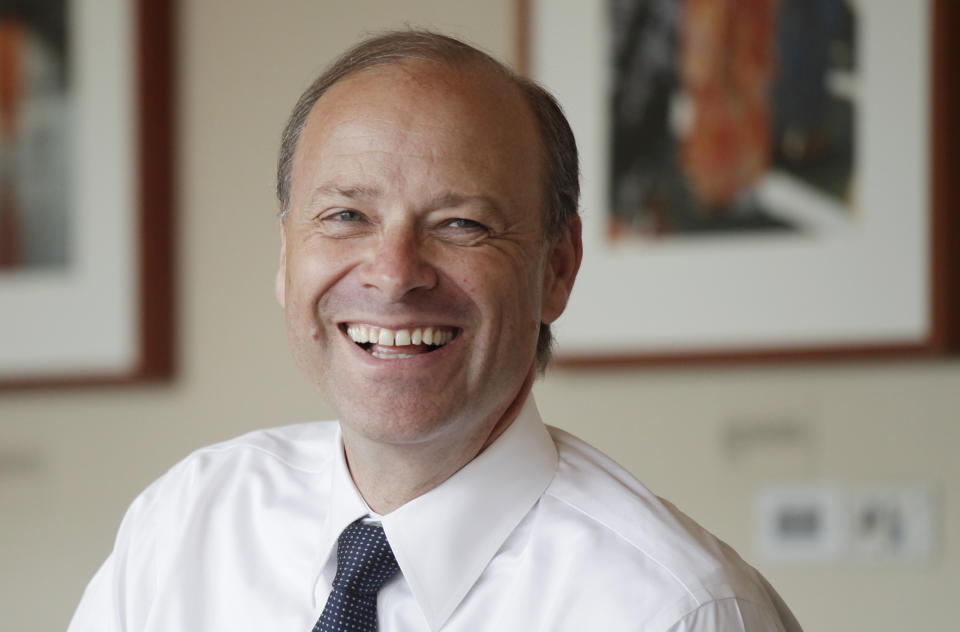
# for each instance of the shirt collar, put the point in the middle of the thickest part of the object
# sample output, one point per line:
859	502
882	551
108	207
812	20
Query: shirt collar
444	539
346	505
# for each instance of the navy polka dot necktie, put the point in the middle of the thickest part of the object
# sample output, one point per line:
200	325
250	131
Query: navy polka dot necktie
364	562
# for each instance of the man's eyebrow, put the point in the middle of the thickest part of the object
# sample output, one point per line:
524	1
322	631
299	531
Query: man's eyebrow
352	192
451	199
447	199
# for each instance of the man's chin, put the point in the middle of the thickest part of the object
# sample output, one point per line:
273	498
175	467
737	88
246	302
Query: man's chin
396	421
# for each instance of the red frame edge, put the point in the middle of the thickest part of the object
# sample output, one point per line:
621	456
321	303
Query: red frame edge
156	180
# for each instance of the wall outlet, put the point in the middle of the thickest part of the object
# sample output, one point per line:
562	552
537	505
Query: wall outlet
800	523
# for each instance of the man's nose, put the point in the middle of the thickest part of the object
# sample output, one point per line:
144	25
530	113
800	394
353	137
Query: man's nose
396	266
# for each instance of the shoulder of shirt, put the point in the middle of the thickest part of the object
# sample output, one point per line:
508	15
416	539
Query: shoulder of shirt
307	447
218	479
304	448
704	568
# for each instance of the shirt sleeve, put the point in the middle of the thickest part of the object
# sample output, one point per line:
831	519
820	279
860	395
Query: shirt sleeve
731	615
118	597
96	610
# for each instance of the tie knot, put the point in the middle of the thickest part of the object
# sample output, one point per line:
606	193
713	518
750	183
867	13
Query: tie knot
364	559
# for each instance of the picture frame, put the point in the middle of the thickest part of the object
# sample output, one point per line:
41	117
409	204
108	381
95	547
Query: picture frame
885	284
106	315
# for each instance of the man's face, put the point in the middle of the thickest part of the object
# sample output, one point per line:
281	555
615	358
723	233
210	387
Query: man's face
415	221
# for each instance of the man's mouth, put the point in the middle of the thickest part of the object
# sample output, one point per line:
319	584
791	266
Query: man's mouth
397	344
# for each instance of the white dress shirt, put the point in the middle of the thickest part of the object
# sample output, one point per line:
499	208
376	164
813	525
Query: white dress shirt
539	532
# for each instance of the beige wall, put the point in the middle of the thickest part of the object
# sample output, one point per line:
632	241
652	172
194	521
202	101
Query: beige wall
70	461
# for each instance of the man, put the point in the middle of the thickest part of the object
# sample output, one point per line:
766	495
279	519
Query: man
429	237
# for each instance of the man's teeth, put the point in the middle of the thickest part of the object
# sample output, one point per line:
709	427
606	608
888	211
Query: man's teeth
435	336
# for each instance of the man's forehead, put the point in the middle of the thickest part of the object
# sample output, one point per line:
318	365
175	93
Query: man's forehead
469	118
482	92
428	107
428	72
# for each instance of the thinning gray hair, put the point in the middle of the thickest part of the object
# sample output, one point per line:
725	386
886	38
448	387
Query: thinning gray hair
561	174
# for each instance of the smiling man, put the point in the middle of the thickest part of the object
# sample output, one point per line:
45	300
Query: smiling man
415	272
428	214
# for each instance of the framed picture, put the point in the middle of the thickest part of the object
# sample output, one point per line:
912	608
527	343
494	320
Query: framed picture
85	192
760	179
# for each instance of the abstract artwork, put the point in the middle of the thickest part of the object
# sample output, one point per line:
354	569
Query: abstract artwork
720	110
34	134
85	192
760	178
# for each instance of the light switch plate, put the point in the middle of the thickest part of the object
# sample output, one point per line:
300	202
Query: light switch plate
824	523
891	523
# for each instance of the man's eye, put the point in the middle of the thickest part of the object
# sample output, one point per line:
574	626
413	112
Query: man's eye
346	216
462	231
343	223
467	224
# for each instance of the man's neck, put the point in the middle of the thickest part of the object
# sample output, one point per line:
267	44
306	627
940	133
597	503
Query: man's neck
390	475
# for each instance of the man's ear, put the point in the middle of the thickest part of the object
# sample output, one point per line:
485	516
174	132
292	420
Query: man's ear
563	262
280	284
